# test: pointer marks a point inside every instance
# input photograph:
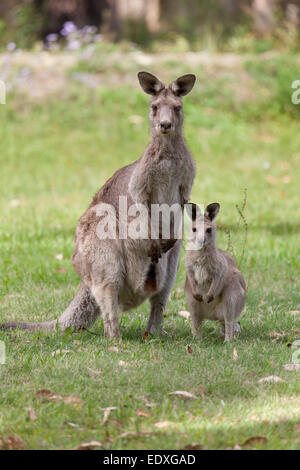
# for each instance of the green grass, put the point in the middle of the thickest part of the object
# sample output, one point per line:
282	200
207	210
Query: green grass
54	157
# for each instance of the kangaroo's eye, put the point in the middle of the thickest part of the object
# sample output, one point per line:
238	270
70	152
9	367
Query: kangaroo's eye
154	108
208	230
194	229
177	109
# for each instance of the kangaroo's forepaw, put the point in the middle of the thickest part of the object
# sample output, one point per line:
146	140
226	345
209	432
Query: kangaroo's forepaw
166	245
198	297
209	298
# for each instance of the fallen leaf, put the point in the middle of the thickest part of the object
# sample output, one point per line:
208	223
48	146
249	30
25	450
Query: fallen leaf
200	389
265	137
184	314
61	270
193	446
292	367
155	359
271	179
285	165
60	351
106	416
73	425
48	395
178	293
164	424
146	334
183	394
107	412
237	447
93	371
136	119
143	414
31	413
235	354
147	402
275	334
293	312
136	434
252	441
12	443
59	256
52	396
72	399
12	296
89	445
286	179
270	378
15	203
123	363
113	348
189	349
116	422
252	374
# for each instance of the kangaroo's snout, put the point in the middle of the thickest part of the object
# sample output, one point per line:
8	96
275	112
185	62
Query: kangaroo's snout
165	125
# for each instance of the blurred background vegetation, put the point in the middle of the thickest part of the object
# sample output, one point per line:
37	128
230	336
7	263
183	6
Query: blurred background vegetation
223	25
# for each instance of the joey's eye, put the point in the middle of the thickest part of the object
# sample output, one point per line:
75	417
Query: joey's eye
154	108
177	109
194	229
208	230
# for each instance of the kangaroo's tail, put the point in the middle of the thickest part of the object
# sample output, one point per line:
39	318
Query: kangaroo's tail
81	313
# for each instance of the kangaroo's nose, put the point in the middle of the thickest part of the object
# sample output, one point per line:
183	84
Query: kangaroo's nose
165	125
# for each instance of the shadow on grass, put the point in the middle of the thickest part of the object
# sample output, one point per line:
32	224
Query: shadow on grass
282	228
260	434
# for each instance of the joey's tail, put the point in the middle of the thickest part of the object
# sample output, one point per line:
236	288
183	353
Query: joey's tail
81	312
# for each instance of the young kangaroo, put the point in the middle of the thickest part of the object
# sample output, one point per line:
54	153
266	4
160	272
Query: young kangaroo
215	289
120	274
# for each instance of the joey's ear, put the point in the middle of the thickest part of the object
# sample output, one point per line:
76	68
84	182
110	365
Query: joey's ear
193	210
212	210
150	84
183	85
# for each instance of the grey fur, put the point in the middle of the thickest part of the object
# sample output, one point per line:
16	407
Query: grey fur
115	273
215	289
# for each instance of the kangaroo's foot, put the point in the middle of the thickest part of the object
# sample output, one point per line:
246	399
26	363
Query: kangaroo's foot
229	330
107	299
196	324
80	313
237	329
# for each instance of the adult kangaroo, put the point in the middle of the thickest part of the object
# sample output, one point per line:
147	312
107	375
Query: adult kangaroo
120	274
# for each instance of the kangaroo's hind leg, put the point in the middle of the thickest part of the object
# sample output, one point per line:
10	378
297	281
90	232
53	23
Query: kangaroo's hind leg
158	301
196	322
107	298
236	328
233	304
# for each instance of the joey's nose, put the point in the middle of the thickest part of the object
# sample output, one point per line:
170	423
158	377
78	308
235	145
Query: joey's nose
165	125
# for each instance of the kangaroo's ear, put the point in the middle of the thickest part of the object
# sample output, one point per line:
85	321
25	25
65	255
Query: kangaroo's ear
212	210
193	210
183	85
150	84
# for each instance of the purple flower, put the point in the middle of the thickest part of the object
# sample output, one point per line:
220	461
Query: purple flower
11	46
68	28
72	45
89	29
52	37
